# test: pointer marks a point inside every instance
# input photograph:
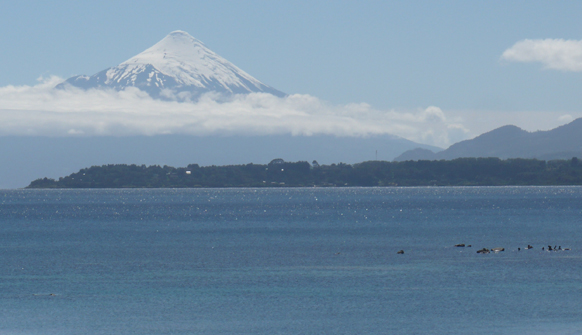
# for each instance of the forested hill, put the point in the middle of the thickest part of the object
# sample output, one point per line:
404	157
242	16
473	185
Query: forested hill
278	173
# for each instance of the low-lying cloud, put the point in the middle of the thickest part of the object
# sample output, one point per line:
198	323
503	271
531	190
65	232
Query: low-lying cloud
557	54
43	110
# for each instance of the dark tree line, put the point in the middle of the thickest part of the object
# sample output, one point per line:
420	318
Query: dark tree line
278	173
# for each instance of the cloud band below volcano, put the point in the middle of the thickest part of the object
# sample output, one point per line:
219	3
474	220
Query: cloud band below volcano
43	110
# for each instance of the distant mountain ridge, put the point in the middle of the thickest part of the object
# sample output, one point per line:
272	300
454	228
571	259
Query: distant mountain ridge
563	142
178	67
30	157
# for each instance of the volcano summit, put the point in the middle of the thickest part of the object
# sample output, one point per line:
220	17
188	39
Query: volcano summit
177	67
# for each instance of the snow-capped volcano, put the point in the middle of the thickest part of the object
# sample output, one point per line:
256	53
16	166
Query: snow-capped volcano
178	66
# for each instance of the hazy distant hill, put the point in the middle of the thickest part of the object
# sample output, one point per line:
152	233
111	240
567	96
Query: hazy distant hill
27	158
512	142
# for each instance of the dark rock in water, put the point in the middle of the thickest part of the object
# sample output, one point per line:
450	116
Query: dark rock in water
400	252
469	246
461	245
483	251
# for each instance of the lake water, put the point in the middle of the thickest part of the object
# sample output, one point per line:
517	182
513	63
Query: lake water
291	261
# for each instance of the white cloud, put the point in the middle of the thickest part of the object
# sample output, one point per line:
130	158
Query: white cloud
566	118
43	110
557	54
433	114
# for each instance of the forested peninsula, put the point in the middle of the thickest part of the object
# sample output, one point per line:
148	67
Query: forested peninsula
278	173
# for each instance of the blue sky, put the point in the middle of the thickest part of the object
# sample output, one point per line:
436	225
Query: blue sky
393	56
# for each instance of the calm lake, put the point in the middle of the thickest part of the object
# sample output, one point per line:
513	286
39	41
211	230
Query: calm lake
291	261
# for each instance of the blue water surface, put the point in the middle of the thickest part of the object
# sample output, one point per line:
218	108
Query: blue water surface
291	261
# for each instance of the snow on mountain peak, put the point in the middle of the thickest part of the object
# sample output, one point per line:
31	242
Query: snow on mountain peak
180	63
185	58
